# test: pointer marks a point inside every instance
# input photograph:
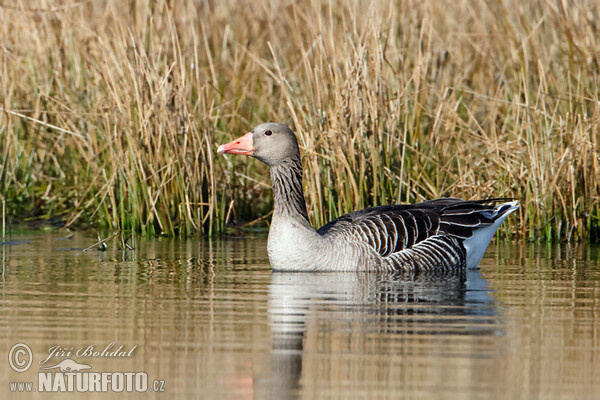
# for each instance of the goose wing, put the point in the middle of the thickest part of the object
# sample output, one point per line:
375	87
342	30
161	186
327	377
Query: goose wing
391	229
387	229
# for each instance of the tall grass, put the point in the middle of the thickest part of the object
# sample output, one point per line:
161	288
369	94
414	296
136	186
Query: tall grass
112	110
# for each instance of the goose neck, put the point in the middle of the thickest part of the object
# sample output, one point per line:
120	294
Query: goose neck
288	196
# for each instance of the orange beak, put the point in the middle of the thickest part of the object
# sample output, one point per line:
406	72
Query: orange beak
242	145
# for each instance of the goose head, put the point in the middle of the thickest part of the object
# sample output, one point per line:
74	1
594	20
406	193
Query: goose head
271	143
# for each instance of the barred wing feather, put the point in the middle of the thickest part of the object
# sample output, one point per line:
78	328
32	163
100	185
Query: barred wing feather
395	228
387	229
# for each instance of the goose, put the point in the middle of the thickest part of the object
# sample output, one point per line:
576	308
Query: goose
437	235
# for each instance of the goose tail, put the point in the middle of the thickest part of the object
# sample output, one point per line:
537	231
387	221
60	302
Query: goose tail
476	245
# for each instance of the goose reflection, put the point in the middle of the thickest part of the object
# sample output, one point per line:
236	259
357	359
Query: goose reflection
384	306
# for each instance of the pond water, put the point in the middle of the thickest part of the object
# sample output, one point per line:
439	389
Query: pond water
208	319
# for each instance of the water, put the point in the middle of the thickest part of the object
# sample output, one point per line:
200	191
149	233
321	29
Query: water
210	320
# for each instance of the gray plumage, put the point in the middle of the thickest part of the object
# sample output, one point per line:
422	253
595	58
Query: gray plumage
441	235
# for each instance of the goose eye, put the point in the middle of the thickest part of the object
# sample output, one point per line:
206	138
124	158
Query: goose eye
268	133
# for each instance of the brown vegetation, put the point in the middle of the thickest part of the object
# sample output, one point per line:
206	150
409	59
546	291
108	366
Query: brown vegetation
112	110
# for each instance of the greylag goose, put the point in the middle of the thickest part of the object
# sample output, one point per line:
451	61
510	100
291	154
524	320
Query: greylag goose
436	235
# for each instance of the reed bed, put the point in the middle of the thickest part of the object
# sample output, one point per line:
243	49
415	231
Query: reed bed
111	111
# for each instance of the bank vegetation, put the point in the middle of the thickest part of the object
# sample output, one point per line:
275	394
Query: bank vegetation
111	111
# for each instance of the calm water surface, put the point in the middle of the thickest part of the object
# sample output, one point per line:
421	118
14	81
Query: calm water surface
211	321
